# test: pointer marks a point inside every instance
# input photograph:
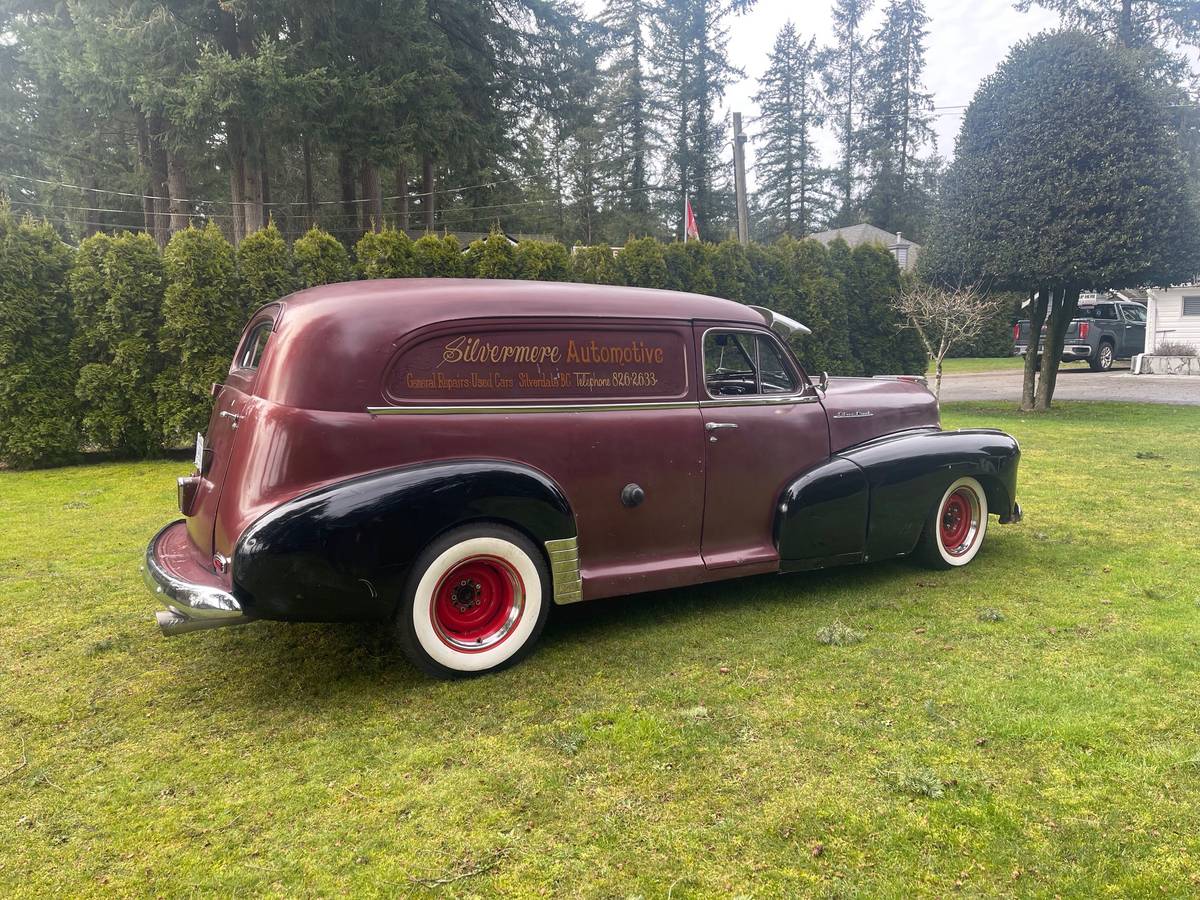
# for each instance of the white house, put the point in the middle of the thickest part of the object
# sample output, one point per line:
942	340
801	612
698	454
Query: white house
1173	317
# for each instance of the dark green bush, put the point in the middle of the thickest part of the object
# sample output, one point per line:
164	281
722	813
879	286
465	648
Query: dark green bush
320	259
877	340
492	257
439	257
640	264
543	261
385	254
688	267
265	268
593	265
202	318
117	285
731	272
37	380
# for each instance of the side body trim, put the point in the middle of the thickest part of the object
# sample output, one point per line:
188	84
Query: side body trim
632	406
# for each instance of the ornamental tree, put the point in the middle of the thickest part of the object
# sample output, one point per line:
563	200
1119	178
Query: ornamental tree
1067	176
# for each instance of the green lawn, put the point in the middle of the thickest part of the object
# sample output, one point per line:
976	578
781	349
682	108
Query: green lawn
974	365
1028	726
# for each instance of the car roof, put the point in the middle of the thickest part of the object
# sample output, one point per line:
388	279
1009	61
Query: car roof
415	302
332	343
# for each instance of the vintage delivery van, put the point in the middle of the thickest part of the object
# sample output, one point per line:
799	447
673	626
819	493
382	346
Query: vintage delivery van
454	457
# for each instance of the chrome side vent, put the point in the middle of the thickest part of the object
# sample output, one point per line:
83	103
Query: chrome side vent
564	570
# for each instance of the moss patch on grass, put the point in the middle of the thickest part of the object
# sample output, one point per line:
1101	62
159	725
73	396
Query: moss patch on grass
696	742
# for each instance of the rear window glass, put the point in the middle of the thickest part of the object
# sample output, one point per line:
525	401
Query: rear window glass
251	351
583	362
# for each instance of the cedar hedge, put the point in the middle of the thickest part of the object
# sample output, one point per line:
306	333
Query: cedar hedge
113	346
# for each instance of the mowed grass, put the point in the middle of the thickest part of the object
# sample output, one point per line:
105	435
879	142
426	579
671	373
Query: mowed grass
978	364
1029	726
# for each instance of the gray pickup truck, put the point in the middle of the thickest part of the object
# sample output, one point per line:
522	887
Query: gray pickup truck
1103	331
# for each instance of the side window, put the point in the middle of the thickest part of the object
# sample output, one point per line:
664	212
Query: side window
729	369
1134	313
774	375
737	363
252	348
1104	311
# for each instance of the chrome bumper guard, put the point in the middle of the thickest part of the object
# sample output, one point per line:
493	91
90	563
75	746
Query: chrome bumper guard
189	607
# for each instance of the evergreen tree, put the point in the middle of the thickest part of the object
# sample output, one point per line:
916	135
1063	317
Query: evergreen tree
320	259
794	196
37	379
693	71
266	271
543	261
594	265
640	264
438	257
844	86
385	254
628	113
117	286
202	318
898	121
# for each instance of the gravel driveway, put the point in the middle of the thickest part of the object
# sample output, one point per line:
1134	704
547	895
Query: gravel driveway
1078	384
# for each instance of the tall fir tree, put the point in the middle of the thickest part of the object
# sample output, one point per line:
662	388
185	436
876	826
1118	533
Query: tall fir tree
898	117
845	77
628	113
794	196
693	72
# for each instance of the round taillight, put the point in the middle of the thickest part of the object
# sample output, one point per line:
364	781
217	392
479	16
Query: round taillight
220	563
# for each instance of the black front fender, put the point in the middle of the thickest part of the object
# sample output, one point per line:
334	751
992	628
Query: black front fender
908	474
871	501
344	551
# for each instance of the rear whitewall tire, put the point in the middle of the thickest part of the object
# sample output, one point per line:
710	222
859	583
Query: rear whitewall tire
425	638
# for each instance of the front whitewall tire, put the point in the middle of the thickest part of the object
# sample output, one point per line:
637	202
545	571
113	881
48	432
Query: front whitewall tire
964	557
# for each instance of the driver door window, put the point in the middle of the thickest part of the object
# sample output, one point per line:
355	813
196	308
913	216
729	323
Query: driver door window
738	364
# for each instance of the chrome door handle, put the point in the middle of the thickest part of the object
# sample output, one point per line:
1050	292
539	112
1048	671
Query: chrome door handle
227	414
710	427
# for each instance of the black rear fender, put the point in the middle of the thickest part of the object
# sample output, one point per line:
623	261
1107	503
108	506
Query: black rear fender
344	551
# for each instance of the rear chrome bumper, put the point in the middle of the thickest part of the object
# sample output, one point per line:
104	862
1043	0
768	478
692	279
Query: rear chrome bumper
190	606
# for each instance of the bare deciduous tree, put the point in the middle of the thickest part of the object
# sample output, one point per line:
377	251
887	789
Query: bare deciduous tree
944	318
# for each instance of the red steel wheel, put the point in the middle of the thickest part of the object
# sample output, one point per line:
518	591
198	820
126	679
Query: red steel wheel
478	603
476	600
955	529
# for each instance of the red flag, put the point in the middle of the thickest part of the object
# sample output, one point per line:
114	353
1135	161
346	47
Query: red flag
689	221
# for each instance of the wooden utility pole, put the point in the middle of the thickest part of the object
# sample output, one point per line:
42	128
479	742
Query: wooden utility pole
739	179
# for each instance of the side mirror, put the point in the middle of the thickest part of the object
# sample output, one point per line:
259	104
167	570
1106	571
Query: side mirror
823	384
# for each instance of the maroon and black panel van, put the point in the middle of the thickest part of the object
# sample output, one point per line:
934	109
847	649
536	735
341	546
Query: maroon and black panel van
454	456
